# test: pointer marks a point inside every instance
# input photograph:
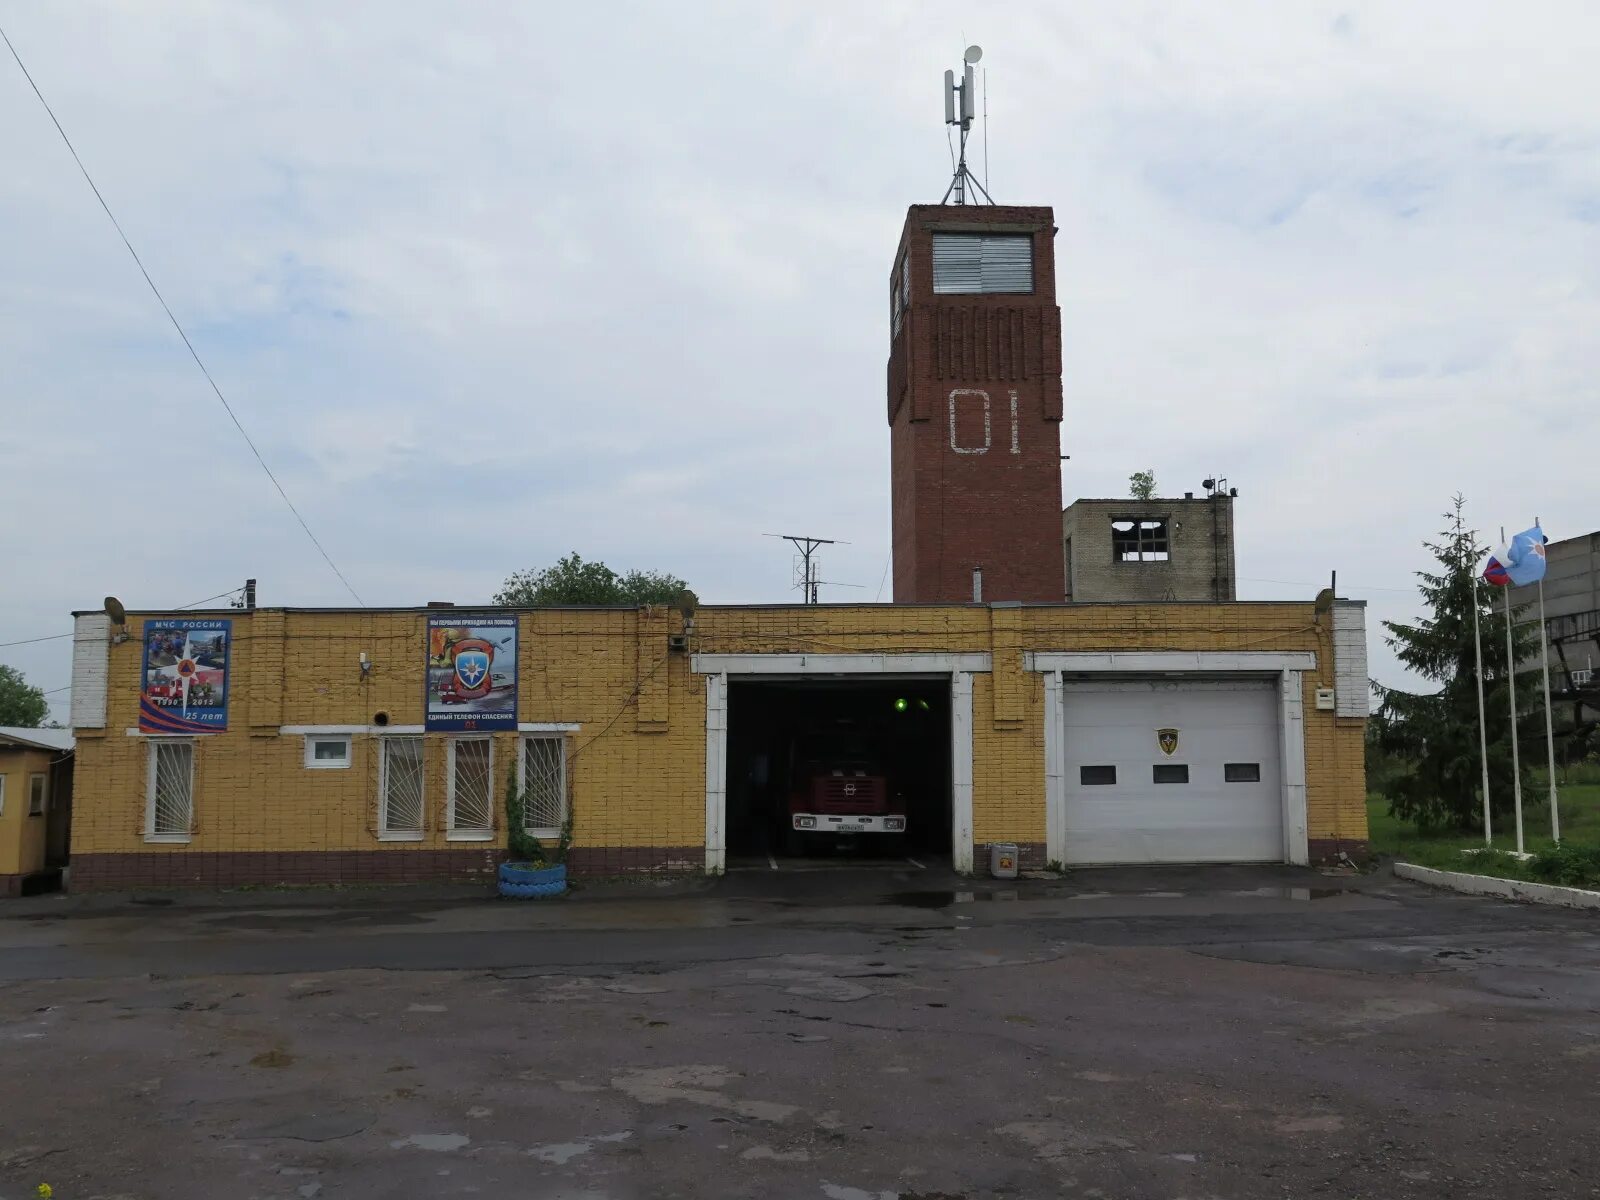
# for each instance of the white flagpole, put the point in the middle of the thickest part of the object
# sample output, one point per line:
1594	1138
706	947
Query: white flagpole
1549	724
1511	691
1483	726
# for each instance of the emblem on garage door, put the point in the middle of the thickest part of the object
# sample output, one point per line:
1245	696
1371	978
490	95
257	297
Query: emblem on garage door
1167	739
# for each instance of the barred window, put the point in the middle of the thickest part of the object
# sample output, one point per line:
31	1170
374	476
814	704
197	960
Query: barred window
471	788
400	788
544	784
169	800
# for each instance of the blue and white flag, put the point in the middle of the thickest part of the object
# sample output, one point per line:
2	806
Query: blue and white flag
1522	562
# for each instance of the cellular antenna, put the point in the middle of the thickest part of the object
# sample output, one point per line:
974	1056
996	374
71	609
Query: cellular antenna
960	106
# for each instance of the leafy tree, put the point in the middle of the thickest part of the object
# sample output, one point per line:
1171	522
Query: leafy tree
650	587
21	704
1435	734
1142	485
573	581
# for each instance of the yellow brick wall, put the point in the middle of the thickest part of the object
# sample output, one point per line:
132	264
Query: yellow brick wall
637	768
22	838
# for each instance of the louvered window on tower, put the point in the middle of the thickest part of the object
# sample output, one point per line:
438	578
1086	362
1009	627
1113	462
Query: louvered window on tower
982	263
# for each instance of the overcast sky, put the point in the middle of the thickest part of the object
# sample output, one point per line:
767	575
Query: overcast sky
489	283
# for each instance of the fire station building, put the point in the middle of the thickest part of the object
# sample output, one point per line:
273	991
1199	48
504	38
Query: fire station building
1005	699
1100	733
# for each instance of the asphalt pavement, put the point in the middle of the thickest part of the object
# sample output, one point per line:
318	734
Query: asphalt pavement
844	1034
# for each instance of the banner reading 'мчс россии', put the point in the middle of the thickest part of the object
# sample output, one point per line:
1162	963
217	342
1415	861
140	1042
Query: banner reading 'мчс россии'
183	684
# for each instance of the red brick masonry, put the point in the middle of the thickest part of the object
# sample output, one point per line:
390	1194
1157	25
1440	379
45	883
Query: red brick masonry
195	868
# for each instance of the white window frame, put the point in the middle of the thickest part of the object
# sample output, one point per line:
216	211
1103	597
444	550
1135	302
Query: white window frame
385	834
2	795
1151	540
452	834
153	753
313	763
522	777
43	797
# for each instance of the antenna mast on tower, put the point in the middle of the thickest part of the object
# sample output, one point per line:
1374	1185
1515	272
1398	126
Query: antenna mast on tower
960	106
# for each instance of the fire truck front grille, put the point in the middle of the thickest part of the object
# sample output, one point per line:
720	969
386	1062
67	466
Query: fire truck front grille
849	794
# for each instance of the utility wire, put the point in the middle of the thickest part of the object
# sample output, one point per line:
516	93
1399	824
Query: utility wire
165	308
1354	587
54	637
209	599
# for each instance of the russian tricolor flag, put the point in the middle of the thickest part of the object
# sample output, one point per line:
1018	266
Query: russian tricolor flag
1521	562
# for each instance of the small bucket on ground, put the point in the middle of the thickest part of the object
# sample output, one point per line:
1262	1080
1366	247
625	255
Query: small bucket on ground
1003	860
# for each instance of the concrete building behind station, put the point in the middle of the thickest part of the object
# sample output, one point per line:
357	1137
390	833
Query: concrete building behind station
1156	550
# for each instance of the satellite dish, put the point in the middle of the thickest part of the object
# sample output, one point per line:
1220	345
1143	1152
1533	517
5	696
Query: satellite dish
114	610
973	54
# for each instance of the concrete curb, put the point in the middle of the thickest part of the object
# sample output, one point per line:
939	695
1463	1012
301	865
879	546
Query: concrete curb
1506	889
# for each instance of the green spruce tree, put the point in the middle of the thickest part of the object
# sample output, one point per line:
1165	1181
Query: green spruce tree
1432	737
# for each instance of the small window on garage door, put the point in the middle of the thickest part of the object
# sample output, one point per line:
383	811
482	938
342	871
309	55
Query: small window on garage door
1092	776
1170	772
1241	772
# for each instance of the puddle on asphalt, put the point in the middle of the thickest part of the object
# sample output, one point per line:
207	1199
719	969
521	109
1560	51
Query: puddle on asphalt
291	919
945	899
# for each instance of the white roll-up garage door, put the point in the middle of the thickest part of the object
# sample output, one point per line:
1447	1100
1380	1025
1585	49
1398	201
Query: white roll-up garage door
1172	770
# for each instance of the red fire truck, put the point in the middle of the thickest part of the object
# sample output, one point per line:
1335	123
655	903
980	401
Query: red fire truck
838	790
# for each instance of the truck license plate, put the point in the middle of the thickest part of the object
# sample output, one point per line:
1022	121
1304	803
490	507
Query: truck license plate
850	828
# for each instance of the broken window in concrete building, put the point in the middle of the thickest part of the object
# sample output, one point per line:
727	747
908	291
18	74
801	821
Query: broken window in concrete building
1139	540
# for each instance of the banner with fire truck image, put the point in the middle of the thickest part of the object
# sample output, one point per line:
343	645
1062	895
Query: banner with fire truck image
184	688
472	674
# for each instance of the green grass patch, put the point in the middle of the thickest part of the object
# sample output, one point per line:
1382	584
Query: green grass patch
1576	863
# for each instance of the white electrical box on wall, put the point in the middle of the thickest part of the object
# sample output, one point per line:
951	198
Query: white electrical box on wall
1325	699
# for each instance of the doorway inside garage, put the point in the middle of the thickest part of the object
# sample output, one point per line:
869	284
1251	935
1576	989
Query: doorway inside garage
838	770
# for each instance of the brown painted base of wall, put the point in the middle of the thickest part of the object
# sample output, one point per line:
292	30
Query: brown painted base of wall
11	885
202	869
1328	849
1030	857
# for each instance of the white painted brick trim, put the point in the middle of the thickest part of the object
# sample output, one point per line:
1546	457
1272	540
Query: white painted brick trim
1351	688
91	662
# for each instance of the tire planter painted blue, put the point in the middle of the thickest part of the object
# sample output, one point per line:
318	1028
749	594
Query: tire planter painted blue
520	881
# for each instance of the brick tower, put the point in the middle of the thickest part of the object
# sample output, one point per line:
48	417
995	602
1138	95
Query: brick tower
975	406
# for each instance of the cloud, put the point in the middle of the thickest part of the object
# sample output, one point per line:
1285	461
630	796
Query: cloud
538	281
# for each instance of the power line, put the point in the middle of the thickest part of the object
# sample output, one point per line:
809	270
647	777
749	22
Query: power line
167	309
209	599
1355	587
54	637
